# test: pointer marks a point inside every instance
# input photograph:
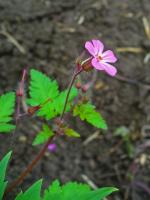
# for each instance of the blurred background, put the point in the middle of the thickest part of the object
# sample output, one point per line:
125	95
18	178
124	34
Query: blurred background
49	35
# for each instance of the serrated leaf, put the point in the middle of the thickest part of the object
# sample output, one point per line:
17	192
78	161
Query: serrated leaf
53	192
42	88
60	101
55	107
44	92
100	194
73	191
65	192
71	133
4	128
7	104
33	193
87	112
3	166
44	135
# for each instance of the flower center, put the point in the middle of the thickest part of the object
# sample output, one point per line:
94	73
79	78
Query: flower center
100	58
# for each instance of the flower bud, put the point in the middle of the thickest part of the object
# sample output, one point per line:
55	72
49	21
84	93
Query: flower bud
52	147
78	85
86	65
84	62
85	87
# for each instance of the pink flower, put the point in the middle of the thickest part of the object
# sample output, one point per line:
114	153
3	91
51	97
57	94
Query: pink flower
101	60
52	147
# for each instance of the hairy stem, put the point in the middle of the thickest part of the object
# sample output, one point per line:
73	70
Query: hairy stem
29	168
69	90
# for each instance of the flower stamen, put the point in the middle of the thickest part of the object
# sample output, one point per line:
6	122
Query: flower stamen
100	58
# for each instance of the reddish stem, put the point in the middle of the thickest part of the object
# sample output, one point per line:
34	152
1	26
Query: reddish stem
69	90
29	168
20	94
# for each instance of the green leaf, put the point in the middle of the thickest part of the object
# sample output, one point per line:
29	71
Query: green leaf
87	112
55	107
100	194
44	92
71	133
3	166
60	101
7	104
6	127
42	88
122	131
53	192
73	191
33	193
43	136
65	192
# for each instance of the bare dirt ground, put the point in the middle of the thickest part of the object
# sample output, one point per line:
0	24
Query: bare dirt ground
49	35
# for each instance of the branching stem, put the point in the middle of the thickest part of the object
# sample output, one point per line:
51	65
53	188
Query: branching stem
29	168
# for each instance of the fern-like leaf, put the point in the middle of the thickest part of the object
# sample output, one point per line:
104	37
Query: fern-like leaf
44	93
43	136
73	191
87	112
42	88
7	104
71	133
33	193
3	166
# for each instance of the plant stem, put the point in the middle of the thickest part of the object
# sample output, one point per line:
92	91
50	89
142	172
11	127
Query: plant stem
29	168
69	90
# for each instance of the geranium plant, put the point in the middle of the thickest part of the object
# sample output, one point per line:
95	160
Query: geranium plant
46	101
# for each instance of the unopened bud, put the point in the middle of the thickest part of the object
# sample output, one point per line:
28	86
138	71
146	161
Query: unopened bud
52	147
86	65
84	62
85	87
78	85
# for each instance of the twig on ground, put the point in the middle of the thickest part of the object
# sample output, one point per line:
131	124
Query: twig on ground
115	147
91	138
12	40
143	186
147	58
129	49
146	27
131	81
89	181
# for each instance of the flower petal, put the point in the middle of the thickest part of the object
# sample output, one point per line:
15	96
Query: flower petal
110	69
98	46
108	56
89	46
96	64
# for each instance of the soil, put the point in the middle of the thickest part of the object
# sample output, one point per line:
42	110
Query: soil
51	35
